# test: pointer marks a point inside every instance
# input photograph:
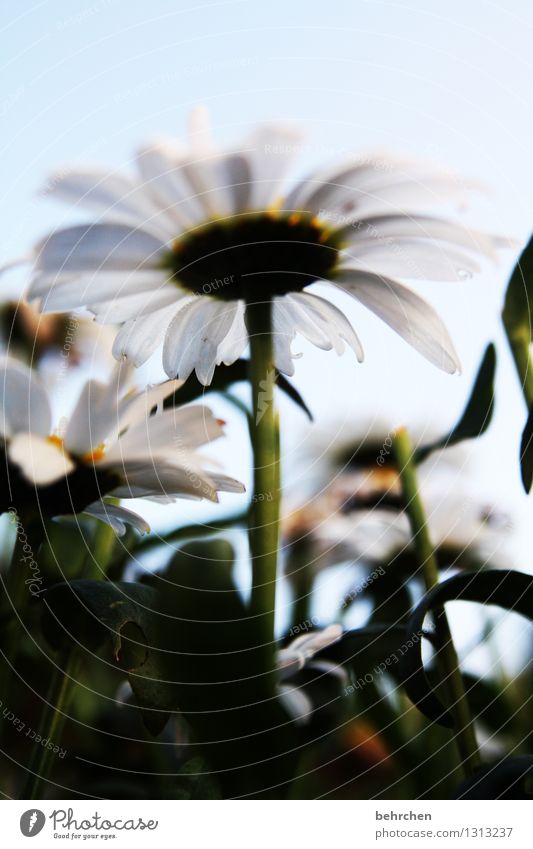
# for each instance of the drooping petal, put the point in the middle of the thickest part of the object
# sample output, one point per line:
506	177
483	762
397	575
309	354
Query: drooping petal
117	517
332	322
406	312
236	339
193	337
24	404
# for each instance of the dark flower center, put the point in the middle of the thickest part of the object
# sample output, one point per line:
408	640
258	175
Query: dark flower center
254	256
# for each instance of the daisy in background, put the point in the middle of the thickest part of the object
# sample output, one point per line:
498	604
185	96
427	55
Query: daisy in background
356	511
178	248
113	445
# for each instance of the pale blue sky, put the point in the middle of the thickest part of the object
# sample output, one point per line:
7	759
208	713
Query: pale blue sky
90	81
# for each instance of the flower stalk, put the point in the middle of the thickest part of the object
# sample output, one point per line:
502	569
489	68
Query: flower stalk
53	719
447	658
264	519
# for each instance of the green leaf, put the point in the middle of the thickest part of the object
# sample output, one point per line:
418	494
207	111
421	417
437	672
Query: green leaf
503	587
477	414
374	649
123	617
225	377
526	453
510	778
519	295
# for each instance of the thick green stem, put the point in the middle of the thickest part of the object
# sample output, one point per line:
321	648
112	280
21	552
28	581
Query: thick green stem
53	719
264	524
446	655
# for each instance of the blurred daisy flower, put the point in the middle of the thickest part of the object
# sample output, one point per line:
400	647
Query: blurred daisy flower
356	512
178	249
113	445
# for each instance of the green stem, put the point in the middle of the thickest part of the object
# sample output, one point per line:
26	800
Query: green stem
447	659
264	525
53	719
16	592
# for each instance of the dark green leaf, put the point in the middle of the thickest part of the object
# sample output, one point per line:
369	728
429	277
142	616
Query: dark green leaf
477	414
505	588
510	778
122	616
225	377
374	649
526	453
519	295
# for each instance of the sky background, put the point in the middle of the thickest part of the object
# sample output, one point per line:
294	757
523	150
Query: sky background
88	82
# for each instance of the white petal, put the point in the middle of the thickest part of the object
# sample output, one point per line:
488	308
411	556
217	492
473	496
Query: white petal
135	306
134	408
295	656
138	338
24	404
113	196
296	702
382	227
406	312
41	462
270	152
98	247
148	480
332	321
236	339
69	292
117	517
193	338
418	260
173	434
160	164
96	415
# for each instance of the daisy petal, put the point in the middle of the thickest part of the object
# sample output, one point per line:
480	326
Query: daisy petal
117	517
98	247
24	403
138	338
41	462
417	260
406	312
332	321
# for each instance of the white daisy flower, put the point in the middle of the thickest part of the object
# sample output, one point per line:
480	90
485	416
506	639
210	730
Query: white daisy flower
180	248
113	444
